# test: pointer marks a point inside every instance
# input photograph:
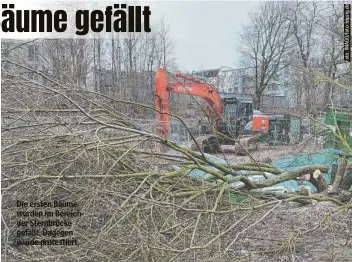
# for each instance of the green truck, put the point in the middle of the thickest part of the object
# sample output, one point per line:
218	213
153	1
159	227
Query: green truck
338	118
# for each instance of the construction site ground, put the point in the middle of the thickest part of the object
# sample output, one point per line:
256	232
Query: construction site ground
264	154
293	232
267	153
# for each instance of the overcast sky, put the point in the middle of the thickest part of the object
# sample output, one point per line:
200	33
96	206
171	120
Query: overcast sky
205	32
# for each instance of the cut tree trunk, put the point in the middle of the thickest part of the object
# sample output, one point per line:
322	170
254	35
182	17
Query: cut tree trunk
347	181
341	169
320	183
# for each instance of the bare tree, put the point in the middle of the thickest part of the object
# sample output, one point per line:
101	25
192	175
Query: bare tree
138	56
331	33
165	45
303	17
68	59
265	42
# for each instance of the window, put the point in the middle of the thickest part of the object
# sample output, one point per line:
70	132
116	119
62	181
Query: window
249	125
271	87
241	81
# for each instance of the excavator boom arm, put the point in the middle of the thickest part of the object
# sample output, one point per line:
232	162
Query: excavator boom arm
189	86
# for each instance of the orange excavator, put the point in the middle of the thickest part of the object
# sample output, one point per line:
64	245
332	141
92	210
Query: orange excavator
228	114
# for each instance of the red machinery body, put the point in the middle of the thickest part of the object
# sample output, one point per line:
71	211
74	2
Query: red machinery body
188	86
260	124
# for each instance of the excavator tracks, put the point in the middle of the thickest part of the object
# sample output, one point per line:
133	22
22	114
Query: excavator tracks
209	144
243	145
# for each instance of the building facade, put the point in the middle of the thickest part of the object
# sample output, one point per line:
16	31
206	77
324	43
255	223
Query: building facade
240	81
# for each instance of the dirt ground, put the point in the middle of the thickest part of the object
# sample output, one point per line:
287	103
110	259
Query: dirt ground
266	153
300	233
294	232
263	154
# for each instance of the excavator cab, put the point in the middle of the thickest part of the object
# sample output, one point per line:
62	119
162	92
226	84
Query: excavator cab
237	113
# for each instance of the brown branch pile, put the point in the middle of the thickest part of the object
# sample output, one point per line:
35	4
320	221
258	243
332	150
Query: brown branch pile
60	144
